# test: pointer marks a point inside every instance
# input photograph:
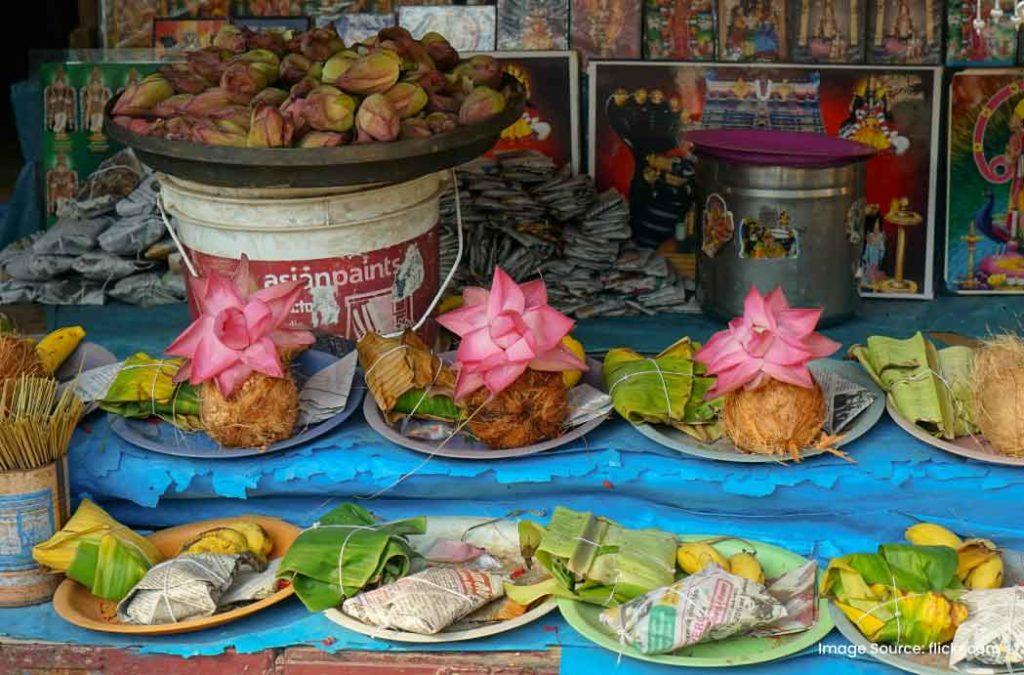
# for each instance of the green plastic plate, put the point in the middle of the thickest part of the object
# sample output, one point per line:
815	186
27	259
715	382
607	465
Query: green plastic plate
736	651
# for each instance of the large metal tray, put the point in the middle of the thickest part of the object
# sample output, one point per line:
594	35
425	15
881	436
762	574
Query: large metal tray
392	162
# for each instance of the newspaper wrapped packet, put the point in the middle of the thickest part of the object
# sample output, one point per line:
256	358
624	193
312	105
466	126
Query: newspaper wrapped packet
426	602
993	634
709	605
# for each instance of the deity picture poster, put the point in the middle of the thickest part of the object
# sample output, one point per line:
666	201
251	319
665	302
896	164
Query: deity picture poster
679	30
541	25
640	111
827	31
468	28
905	31
984	223
606	29
752	30
993	45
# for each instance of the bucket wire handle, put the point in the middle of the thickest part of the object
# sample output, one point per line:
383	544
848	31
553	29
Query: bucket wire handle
174	235
451	273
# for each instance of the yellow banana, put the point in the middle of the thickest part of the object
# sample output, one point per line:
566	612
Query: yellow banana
973	553
693	556
988	574
930	534
572	377
746	565
256	537
55	348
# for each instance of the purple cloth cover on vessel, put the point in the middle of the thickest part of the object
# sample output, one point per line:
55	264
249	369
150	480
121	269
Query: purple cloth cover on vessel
777	148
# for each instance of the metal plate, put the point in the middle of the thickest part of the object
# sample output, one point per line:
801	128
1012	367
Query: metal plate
75	604
500	538
159	436
362	164
724	450
971	447
922	664
466	447
734	651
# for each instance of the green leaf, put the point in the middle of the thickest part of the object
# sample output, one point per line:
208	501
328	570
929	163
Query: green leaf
437	406
920	568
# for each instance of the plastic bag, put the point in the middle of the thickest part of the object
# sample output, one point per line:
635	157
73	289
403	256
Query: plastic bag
147	289
102	266
32	267
72	237
131	236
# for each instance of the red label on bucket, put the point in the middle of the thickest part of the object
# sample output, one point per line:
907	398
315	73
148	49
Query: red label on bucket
380	291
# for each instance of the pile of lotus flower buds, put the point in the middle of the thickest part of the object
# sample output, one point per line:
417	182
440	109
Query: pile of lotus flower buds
265	90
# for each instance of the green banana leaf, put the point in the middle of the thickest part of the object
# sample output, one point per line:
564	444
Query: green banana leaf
911	372
346	552
109	567
145	387
903	594
593	559
667	389
436	406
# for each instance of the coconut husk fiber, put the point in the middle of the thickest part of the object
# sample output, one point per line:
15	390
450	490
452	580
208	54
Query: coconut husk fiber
531	410
775	418
394	366
998	377
260	412
18	357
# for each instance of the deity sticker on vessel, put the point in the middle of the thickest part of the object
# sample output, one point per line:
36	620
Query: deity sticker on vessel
770	236
718	227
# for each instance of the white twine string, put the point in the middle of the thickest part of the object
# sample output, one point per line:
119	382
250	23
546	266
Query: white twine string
174	236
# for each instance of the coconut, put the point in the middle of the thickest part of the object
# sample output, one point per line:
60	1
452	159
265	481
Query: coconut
531	410
18	357
998	378
775	418
260	412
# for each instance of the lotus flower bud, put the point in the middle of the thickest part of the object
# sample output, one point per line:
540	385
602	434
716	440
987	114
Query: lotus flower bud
407	99
136	125
319	43
244	79
316	71
177	129
322	139
238	115
261	56
458	82
209	102
326	108
376	120
209	62
231	38
483	70
415	127
302	88
293	45
440	122
173	106
370	74
480	105
269	96
441	51
433	81
139	98
208	132
269	129
336	66
270	40
415	59
184	79
293	68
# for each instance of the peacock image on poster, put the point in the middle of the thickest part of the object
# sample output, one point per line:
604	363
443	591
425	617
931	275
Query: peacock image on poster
640	113
985	213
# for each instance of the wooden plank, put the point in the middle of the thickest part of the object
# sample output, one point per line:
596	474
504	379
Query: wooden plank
310	661
70	659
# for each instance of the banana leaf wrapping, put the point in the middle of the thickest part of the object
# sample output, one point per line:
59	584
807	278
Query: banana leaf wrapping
98	552
667	389
345	552
593	559
902	595
398	373
928	386
145	387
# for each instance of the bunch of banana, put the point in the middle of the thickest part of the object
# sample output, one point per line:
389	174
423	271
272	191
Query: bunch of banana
234	538
54	348
979	566
693	556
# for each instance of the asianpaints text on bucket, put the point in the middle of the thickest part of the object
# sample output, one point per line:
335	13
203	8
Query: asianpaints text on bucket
369	258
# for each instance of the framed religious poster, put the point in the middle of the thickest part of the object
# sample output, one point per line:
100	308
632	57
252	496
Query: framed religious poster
541	25
828	31
905	31
603	29
752	30
679	30
639	112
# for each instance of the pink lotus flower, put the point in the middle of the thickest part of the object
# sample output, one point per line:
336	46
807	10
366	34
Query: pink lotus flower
506	330
239	330
769	340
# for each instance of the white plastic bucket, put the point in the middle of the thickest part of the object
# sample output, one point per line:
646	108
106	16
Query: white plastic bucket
369	257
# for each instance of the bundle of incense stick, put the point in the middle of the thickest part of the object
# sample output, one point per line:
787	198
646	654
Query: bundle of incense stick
37	419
